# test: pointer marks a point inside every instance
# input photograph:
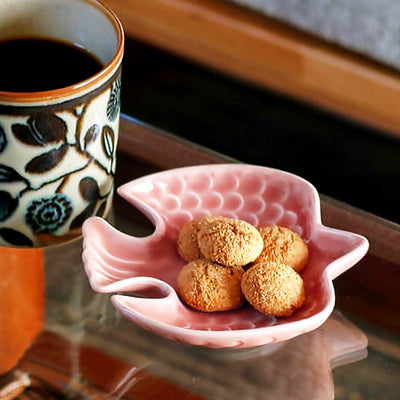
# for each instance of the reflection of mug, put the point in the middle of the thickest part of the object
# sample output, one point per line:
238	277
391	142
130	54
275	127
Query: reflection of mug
58	137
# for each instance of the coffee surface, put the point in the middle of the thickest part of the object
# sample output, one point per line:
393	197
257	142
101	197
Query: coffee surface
34	65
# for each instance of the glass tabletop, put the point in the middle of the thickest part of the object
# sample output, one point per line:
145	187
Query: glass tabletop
88	350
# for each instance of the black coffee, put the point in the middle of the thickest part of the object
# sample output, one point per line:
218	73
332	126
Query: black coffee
33	65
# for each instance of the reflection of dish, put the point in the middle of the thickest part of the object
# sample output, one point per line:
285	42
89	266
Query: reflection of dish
119	263
298	369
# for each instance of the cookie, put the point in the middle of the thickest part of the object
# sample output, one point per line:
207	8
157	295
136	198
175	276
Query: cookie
188	247
282	245
187	240
273	289
207	286
229	241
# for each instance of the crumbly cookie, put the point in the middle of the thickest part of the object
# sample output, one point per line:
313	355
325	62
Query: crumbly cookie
188	247
207	286
273	289
187	240
229	241
282	245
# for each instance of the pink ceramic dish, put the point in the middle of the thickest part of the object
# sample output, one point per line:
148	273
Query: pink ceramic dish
142	272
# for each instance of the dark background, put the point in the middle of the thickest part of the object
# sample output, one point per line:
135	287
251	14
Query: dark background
343	159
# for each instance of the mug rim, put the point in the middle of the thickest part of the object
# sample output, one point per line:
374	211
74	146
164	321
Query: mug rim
105	72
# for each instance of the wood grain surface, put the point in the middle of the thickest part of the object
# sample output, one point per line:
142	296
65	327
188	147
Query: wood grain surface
253	48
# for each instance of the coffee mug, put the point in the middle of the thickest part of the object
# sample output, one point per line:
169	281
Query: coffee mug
59	117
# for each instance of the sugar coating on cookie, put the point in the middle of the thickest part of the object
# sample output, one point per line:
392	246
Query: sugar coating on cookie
273	289
187	240
188	247
207	286
229	241
283	245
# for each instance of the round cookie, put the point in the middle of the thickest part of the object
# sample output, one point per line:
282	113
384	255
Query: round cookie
187	240
188	247
229	241
282	245
273	289
207	286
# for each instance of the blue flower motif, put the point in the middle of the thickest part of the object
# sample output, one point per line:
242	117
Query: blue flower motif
48	214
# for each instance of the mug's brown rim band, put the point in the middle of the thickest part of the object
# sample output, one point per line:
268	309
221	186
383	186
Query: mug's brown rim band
11	98
28	108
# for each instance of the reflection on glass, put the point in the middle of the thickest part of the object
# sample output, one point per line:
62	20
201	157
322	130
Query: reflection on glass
120	360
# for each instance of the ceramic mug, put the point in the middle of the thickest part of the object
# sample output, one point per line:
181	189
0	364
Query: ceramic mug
58	145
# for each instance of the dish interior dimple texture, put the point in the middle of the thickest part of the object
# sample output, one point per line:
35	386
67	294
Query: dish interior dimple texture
258	195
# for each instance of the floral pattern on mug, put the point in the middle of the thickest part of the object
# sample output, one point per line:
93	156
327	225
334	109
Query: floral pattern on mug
48	214
66	153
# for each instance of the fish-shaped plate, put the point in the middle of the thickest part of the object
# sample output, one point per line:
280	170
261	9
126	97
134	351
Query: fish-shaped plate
141	272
